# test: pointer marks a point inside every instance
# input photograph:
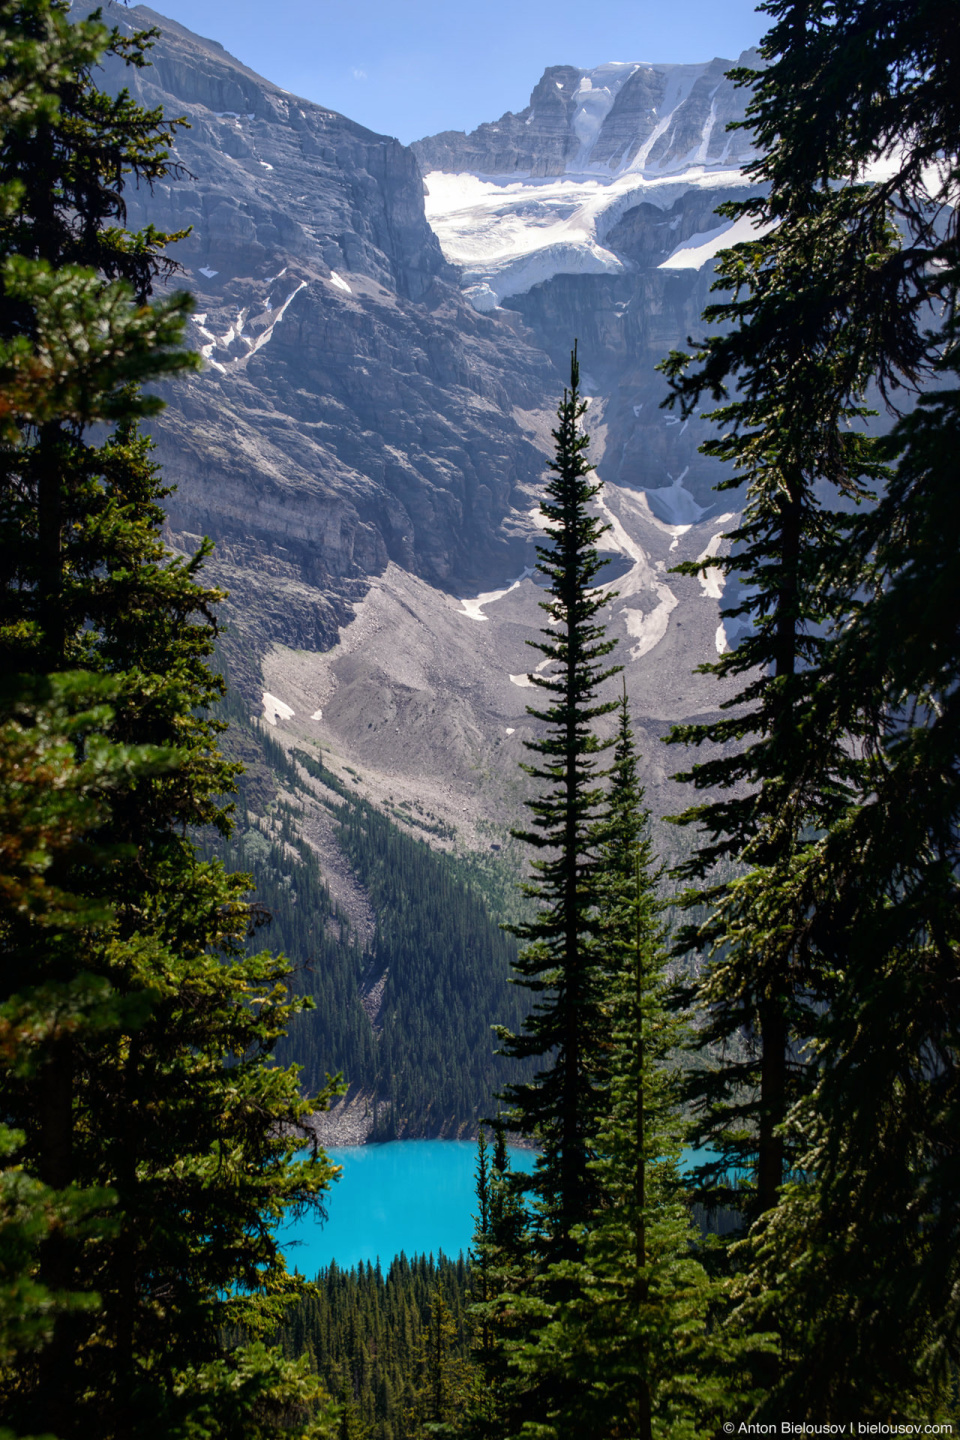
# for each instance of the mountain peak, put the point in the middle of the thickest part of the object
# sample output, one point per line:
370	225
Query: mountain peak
623	116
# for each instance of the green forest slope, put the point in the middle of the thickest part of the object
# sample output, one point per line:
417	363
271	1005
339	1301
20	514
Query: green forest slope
406	1016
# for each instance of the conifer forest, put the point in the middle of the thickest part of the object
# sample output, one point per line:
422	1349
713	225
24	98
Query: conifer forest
181	993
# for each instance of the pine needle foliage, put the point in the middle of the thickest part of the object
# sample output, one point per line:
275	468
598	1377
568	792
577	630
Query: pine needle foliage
630	1350
149	1139
855	114
501	1270
804	468
560	962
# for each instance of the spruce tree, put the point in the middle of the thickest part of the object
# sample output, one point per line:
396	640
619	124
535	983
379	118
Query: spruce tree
883	888
560	963
52	801
136	1072
501	1269
800	463
866	259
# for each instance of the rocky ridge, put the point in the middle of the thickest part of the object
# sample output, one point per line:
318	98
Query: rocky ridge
353	409
614	118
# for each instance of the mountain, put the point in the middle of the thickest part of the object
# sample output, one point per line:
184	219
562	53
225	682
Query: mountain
366	446
354	409
386	333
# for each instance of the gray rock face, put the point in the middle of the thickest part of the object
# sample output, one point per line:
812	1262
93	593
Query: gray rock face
274	177
353	408
626	324
613	118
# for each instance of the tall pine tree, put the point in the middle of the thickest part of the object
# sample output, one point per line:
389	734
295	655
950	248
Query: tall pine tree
629	1350
561	963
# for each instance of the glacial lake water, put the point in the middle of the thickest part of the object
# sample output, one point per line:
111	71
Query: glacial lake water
411	1195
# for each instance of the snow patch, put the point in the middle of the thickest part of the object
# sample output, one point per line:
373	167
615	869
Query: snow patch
339	281
317	715
269	320
209	273
649	628
595	101
274	709
711	581
711	120
510	729
673	504
523	681
473	608
265	165
706	245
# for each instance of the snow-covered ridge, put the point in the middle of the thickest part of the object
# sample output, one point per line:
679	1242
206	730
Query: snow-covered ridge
614	119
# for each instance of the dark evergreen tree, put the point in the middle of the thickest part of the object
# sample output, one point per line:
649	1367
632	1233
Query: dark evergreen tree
763	988
52	799
630	1350
371	1336
560	963
445	1371
501	1269
857	120
135	1070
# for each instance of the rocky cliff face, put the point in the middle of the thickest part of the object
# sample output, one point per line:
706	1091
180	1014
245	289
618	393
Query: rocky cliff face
626	323
353	408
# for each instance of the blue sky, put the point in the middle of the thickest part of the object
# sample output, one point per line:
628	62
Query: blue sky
412	67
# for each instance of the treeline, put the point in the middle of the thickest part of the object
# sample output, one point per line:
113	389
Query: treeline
395	1349
428	1058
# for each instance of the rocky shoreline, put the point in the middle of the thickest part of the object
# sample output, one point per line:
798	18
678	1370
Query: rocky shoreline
350	1122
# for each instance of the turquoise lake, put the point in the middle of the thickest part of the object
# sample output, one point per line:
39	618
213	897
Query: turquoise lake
411	1195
